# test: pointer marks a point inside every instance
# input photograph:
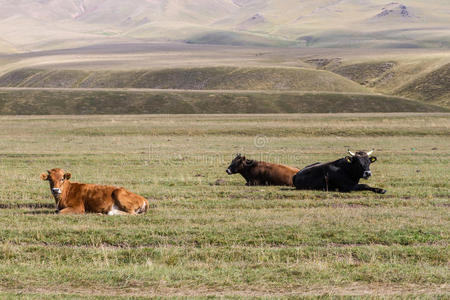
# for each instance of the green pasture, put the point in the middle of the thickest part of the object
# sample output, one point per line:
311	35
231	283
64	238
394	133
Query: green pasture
206	233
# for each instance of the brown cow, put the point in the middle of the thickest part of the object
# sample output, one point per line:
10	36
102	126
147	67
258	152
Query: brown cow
261	173
78	198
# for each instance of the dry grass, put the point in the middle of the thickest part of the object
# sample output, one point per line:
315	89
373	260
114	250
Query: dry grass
210	78
226	240
419	74
422	77
30	101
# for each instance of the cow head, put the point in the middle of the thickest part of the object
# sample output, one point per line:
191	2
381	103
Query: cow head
56	178
238	164
360	162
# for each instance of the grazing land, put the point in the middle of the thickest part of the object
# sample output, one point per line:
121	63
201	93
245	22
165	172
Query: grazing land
208	234
54	101
214	79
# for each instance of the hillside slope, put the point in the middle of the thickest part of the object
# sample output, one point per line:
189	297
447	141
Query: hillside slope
208	78
6	47
432	87
75	101
423	78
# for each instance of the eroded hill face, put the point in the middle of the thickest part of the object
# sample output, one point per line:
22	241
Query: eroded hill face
55	24
422	77
431	87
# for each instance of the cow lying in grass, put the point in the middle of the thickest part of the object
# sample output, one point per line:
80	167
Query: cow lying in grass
77	198
261	173
342	175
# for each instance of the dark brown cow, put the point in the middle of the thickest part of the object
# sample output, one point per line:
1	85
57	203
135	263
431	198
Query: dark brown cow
262	173
78	198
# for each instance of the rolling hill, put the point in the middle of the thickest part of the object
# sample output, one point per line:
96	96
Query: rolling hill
356	80
85	102
432	87
54	24
208	78
423	78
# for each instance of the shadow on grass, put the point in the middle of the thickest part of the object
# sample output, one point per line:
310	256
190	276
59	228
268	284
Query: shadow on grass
41	212
26	205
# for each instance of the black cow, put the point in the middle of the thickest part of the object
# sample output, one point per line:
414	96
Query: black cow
342	175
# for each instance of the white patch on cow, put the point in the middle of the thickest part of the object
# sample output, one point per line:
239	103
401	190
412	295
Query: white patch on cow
142	208
114	211
57	191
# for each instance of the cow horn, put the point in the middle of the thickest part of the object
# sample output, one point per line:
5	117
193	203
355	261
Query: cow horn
370	152
248	162
351	153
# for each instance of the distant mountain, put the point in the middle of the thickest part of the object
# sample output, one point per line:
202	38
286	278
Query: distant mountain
396	12
395	8
30	25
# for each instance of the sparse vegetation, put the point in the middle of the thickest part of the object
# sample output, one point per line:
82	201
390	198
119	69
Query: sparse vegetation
424	77
59	24
432	87
364	73
75	101
419	75
239	39
200	238
210	78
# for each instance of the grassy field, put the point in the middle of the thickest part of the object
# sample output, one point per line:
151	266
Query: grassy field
208	234
53	101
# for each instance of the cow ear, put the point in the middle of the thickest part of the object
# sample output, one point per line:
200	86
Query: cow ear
67	176
44	176
348	159
373	159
